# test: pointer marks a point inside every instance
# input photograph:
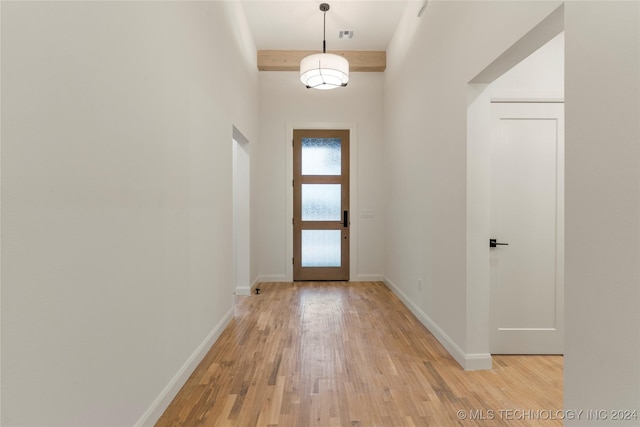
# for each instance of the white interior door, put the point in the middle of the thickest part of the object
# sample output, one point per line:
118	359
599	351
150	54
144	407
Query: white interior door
527	213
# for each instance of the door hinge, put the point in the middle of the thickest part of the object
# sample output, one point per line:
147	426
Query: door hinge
293	142
293	221
293	260
293	182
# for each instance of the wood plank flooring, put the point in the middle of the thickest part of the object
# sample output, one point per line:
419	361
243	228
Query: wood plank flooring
351	354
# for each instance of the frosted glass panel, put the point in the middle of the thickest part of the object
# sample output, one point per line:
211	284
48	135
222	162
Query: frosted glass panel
321	202
321	156
321	248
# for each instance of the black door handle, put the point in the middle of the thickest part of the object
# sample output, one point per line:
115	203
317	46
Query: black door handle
345	218
493	243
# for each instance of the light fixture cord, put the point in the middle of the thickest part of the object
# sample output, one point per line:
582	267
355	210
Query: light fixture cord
324	32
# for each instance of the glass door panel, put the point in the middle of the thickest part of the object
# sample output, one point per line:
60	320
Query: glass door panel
321	202
321	156
321	248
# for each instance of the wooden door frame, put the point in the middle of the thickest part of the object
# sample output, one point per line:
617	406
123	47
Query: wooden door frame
353	184
321	273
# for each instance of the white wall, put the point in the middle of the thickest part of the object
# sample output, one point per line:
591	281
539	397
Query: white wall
285	102
602	105
430	62
116	201
540	76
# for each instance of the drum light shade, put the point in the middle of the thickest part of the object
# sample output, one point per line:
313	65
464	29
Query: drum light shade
324	71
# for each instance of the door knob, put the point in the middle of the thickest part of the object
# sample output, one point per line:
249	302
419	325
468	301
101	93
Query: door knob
493	243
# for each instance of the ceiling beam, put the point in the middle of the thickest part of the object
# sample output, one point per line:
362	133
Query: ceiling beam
289	60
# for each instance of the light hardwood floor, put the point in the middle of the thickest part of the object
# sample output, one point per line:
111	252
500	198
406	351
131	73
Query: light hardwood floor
351	354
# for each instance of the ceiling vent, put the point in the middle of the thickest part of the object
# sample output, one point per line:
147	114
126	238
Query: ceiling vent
346	34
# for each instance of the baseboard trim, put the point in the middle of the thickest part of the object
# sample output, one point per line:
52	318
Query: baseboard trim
283	278
254	285
469	362
369	278
160	404
243	290
271	279
477	362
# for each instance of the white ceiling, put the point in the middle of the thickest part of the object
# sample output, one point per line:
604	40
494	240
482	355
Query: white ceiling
297	24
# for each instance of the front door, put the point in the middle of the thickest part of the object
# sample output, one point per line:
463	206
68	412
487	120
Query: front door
527	217
321	205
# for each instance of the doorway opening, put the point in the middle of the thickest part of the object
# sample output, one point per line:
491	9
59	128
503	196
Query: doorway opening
288	211
479	173
241	214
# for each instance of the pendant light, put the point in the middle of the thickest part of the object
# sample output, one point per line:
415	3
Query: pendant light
324	70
